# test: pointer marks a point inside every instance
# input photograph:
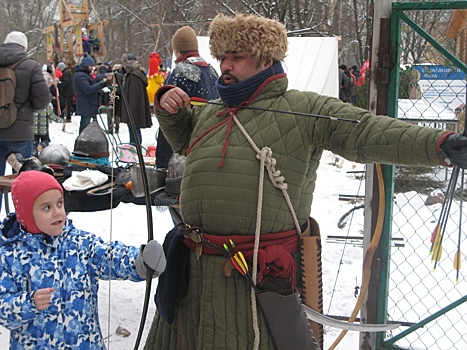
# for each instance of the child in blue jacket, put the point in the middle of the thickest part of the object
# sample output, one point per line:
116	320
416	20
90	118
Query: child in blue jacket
49	270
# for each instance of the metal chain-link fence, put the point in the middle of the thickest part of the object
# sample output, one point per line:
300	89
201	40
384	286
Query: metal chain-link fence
427	280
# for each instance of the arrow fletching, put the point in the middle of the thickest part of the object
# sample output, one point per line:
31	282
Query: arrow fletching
457	263
437	249
198	101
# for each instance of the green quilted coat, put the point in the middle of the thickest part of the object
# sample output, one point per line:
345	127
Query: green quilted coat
220	192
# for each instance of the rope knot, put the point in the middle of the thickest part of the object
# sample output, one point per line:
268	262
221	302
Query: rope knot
265	154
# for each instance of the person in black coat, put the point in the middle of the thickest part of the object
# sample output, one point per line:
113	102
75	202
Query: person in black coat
134	86
67	91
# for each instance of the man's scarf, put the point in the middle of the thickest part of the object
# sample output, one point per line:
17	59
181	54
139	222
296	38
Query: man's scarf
240	92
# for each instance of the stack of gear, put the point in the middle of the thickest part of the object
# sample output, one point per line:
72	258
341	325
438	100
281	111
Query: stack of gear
169	196
92	145
19	164
55	154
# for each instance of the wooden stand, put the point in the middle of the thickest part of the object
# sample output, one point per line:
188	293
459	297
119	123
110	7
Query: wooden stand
5	187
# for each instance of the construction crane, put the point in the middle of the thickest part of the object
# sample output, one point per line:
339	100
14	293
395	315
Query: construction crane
76	34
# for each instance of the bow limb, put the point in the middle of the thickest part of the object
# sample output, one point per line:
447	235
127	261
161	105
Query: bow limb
147	196
318	317
370	252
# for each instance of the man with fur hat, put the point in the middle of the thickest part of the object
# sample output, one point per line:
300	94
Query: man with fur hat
50	270
32	95
220	198
192	74
87	91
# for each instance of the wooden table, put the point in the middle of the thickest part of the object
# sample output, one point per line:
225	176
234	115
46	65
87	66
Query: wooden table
5	187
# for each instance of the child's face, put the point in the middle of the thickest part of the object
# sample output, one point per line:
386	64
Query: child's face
49	212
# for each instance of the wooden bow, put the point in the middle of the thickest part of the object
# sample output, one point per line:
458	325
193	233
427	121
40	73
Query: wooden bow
370	252
147	196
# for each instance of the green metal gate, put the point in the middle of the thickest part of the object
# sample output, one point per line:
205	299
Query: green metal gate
427	87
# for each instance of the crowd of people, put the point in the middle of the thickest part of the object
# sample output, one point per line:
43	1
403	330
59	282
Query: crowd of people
200	294
349	82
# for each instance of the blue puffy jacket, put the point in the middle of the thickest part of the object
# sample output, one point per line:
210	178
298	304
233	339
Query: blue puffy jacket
72	263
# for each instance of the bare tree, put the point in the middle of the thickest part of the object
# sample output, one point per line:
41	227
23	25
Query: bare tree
143	26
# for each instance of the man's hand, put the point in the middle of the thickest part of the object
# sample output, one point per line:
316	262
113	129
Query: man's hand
455	149
174	99
42	297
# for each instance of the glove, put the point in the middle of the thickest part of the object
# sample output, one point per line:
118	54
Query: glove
104	81
152	256
454	150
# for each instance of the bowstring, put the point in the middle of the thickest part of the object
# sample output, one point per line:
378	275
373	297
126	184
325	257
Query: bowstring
341	262
113	97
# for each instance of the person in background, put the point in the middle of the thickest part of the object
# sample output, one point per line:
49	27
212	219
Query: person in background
355	71
460	116
87	92
87	47
67	91
353	88
103	72
134	87
193	75
225	148
47	71
155	78
58	73
346	83
42	119
50	270
163	71
32	95
52	83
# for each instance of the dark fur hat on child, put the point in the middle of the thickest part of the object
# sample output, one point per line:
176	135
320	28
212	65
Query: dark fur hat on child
24	191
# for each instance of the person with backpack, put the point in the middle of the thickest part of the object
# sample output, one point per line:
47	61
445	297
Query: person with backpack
23	91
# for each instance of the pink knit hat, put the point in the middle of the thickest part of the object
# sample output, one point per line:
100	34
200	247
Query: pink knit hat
25	189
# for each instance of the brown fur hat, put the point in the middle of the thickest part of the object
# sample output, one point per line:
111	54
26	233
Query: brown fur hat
264	38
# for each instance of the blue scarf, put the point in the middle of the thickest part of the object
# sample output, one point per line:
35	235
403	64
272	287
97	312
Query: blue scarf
235	94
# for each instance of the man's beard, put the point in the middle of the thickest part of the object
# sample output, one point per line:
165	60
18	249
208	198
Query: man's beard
235	79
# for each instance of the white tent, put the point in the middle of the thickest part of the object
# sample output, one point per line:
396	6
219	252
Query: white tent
311	63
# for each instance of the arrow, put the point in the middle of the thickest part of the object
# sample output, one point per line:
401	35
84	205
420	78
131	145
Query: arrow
440	229
196	101
458	256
